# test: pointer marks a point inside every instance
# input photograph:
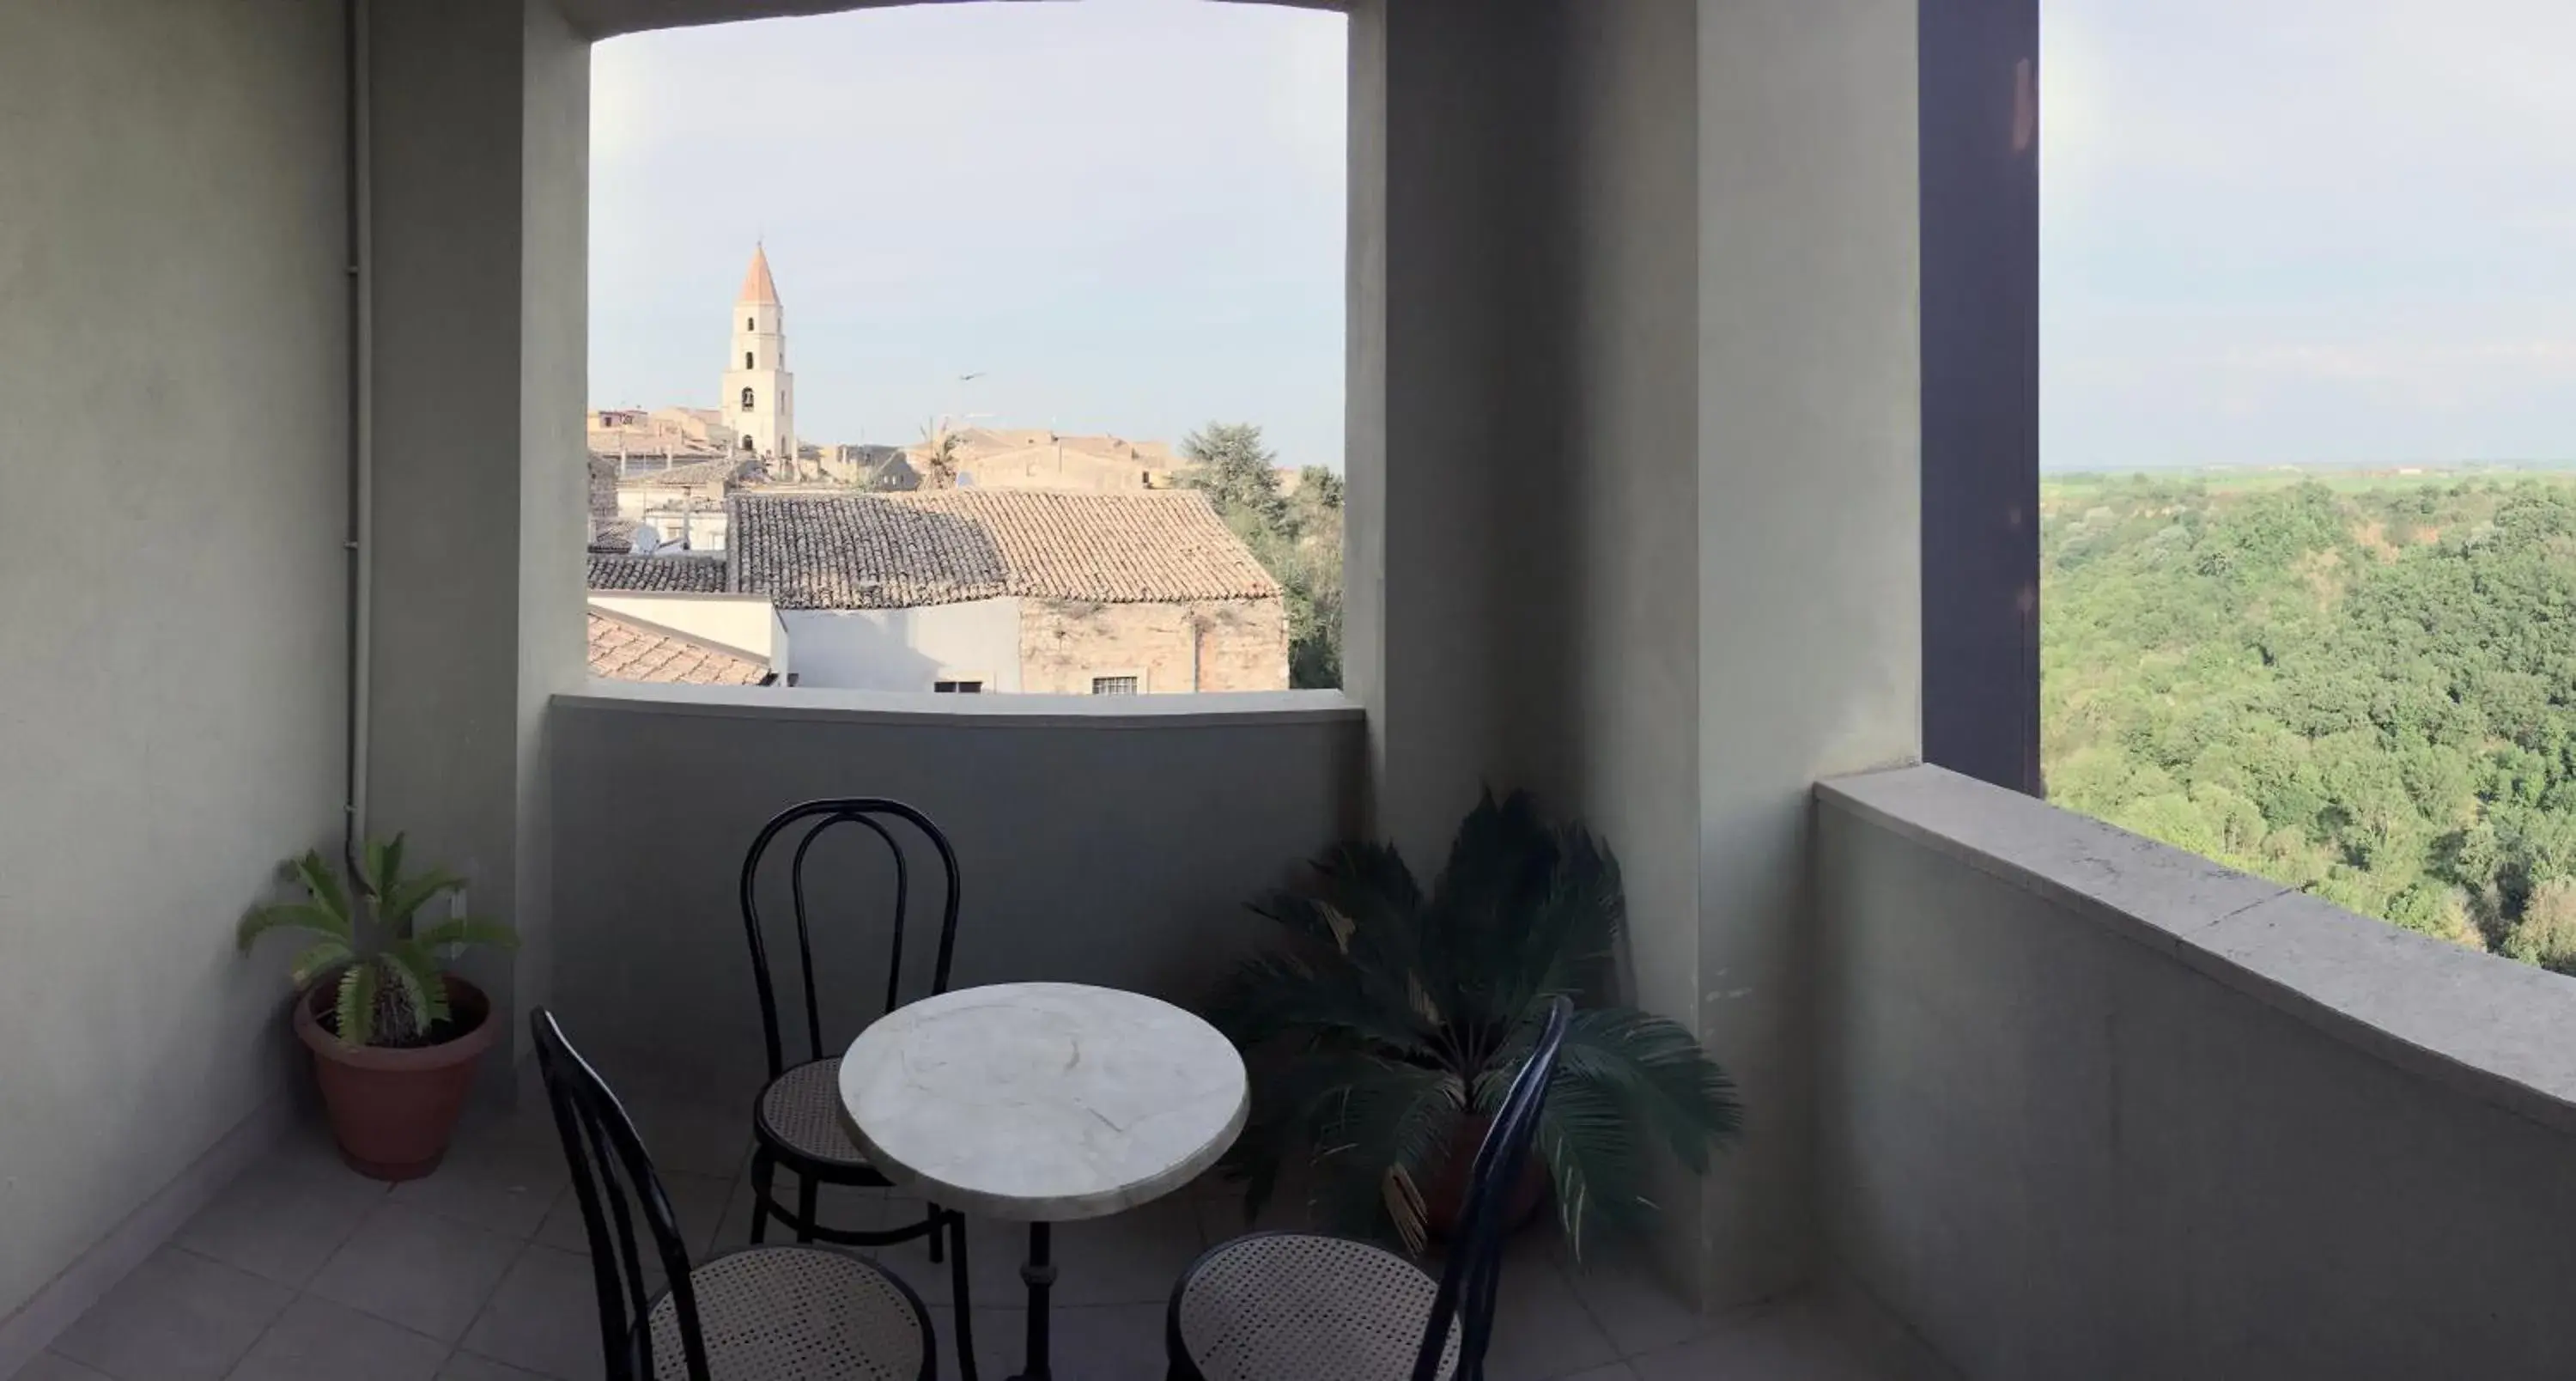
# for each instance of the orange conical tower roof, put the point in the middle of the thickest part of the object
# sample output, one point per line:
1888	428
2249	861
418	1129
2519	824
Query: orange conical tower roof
757	285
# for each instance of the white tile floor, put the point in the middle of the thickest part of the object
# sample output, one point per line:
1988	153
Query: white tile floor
302	1271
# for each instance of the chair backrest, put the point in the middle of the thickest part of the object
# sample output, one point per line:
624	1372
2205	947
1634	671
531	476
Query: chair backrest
819	818
1473	1275
614	1180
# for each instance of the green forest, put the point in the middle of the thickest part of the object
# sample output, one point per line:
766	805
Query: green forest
2364	687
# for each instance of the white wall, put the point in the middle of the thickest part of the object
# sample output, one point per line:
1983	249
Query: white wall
171	271
905	649
2093	1107
1098	845
744	623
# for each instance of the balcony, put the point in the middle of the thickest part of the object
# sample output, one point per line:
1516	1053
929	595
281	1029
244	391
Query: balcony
1665	403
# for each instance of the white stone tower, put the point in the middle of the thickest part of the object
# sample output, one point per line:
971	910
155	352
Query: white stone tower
759	394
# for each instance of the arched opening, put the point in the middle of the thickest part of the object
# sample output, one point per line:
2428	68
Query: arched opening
746	399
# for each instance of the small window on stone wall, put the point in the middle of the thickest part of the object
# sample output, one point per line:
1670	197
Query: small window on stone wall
958	687
1116	685
746	400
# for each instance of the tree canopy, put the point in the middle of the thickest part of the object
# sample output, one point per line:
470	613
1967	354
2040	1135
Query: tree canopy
2368	692
1295	531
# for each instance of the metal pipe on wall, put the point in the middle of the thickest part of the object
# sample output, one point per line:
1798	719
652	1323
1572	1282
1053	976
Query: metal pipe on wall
362	459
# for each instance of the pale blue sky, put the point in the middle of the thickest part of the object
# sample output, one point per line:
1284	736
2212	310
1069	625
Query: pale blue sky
1127	214
2307	230
2273	230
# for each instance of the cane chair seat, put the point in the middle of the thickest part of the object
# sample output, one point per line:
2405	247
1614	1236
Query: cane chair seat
1290	1306
800	1114
795	1314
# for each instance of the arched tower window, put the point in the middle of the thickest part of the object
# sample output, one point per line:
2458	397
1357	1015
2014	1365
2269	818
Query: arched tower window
746	400
749	324
746	443
746	359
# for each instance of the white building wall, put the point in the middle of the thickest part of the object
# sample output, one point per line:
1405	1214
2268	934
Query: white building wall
906	649
744	623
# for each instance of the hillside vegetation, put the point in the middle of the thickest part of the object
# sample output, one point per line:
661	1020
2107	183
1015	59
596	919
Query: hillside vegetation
2365	691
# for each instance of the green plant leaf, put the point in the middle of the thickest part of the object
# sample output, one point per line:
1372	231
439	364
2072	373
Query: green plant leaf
322	883
356	1012
316	963
384	867
1589	1146
408	895
304	916
448	938
1658	1075
1476	925
423	979
1286	1096
1272	995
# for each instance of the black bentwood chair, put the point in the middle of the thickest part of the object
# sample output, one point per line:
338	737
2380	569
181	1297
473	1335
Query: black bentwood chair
758	1314
1293	1306
798	1120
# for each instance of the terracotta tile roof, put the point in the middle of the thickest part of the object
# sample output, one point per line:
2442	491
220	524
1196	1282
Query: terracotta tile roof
676	574
897	551
701	472
623	649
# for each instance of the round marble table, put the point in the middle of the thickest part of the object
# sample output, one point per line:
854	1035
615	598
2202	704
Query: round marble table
1043	1103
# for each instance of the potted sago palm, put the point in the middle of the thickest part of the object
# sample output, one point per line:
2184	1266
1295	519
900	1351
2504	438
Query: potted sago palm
394	1033
1383	1034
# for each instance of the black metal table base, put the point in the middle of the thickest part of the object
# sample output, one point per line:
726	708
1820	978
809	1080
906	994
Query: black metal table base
1038	1273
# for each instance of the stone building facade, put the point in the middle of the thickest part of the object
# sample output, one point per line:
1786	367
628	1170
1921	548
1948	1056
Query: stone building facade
1071	647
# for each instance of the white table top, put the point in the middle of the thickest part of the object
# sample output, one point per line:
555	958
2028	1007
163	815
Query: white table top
1043	1102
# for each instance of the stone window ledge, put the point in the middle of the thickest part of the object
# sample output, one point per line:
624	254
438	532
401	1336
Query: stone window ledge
1211	709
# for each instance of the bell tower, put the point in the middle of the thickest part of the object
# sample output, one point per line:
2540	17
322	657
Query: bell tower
759	394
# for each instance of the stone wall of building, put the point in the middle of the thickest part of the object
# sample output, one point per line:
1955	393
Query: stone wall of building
1207	645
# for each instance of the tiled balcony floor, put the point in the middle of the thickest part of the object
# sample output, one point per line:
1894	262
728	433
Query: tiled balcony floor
302	1269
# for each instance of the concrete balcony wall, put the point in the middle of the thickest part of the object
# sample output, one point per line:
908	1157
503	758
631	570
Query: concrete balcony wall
173	347
1114	847
2090	1106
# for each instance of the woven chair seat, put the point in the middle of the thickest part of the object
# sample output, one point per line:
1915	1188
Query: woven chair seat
1287	1306
800	1112
795	1314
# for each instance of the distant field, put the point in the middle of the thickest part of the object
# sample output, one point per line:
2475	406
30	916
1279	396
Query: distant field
2070	483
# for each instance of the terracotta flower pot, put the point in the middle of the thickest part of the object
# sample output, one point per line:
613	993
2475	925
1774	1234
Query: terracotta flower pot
1447	1199
392	1110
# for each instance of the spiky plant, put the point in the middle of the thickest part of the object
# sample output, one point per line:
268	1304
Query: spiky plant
388	973
1394	1017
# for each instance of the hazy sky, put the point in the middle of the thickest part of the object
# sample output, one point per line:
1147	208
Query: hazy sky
2273	230
2290	230
1126	214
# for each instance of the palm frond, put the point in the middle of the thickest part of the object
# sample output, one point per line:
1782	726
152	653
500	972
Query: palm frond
322	883
312	919
1389	1121
1657	1073
317	962
1281	1120
405	1016
1476	924
448	938
1272	995
408	895
1591	1155
356	1012
1573	934
384	867
423	980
